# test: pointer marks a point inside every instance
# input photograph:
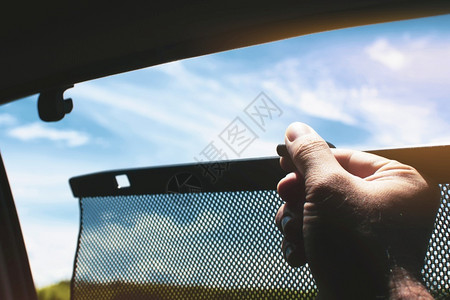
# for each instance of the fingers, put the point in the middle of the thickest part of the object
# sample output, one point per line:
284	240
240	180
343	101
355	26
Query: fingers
289	222
359	163
294	254
310	154
292	188
287	164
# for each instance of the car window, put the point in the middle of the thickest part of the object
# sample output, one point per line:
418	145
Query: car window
370	87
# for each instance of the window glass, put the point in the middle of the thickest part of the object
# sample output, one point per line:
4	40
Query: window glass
369	87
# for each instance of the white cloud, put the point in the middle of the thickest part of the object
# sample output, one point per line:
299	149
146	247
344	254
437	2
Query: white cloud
405	104
327	102
383	52
47	210
425	68
71	138
410	106
187	113
397	105
188	79
399	124
7	119
51	248
431	67
323	98
42	177
161	110
390	120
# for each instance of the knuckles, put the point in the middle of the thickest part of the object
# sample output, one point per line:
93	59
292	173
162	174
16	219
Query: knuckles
329	187
292	228
289	222
307	146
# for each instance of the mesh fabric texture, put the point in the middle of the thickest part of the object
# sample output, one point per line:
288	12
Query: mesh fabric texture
185	246
436	271
205	246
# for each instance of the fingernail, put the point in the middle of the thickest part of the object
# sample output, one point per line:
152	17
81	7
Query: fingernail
282	150
284	221
297	129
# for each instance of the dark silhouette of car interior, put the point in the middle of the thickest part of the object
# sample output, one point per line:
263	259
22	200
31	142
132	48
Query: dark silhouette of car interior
47	47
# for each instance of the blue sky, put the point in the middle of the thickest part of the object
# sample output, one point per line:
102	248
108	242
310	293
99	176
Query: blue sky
378	86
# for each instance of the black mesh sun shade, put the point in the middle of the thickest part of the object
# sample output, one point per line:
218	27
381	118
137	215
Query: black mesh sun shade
203	231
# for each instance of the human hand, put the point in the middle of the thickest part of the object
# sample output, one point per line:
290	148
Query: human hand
361	221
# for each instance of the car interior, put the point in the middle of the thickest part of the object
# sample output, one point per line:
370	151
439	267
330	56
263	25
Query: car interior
200	230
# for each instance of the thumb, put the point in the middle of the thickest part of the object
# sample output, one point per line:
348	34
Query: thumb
310	153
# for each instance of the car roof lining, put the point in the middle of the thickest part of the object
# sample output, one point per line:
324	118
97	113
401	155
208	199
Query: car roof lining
59	44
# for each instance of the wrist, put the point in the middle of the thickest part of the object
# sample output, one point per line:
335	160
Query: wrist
390	277
406	285
401	285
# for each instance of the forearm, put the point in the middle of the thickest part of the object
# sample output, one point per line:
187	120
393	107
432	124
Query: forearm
404	285
396	279
401	285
